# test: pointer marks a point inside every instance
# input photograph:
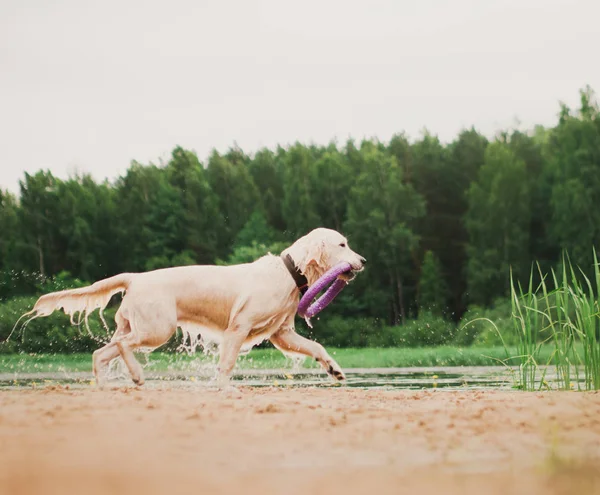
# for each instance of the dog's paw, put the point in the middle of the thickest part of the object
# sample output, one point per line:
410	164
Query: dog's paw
336	373
228	389
332	369
223	382
139	381
232	392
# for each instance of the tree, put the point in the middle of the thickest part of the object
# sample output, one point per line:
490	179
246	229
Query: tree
238	196
498	222
528	147
201	225
331	180
400	148
422	212
250	253
299	208
465	157
256	230
574	169
442	175
382	211
265	169
39	221
86	229
156	222
137	195
433	291
9	224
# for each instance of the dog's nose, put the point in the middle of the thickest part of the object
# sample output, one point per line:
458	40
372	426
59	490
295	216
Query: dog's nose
363	260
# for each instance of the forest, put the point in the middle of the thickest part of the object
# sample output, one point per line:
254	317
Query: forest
443	225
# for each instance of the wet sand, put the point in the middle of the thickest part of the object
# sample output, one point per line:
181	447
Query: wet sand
298	441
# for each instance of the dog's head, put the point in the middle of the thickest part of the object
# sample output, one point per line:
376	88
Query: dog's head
320	250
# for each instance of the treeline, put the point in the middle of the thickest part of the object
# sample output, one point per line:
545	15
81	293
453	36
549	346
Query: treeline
441	224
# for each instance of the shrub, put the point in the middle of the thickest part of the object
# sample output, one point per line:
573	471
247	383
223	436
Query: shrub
52	334
427	330
474	329
337	331
433	290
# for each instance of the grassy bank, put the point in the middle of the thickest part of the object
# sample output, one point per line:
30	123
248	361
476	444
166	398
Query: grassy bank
271	358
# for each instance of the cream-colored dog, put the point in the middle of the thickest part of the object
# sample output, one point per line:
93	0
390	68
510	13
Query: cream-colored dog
240	304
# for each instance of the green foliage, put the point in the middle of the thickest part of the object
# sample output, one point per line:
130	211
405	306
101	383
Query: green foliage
63	281
38	213
498	222
331	182
299	209
52	334
266	171
184	258
269	358
382	211
256	239
574	169
55	333
141	195
9	238
484	209
236	192
563	317
427	330
256	230
343	331
199	227
432	286
248	254
465	158
480	325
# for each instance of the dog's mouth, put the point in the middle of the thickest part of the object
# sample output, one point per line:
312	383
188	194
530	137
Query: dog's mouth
348	276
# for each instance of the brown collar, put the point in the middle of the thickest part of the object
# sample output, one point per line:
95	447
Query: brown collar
299	278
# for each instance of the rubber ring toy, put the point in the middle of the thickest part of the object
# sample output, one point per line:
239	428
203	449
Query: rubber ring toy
307	310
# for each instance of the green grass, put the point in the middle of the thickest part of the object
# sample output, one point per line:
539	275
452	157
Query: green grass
565	319
273	359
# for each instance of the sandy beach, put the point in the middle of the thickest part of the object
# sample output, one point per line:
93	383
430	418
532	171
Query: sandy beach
302	440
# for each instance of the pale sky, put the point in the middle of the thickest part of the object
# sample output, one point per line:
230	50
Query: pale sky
92	85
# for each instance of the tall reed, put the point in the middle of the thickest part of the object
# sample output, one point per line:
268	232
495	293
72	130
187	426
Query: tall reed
562	316
526	320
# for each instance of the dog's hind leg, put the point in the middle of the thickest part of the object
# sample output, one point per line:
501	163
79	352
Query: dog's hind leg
135	368
101	358
233	338
287	339
151	325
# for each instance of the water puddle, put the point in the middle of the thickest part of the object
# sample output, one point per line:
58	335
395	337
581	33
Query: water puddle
367	378
448	378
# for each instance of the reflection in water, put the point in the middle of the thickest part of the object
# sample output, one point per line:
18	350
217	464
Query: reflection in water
382	378
194	376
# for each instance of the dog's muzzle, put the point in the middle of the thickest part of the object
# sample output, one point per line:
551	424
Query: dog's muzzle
348	276
356	268
351	275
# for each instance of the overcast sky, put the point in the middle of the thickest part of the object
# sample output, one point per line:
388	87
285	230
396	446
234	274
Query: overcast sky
92	85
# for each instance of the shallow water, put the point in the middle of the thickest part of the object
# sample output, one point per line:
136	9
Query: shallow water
452	378
447	378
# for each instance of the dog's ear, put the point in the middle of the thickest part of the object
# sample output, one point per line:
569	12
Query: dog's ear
315	255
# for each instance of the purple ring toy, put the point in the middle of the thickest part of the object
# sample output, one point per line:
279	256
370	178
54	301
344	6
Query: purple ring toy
307	310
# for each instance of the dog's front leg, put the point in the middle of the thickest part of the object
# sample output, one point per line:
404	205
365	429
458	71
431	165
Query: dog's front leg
233	338
287	339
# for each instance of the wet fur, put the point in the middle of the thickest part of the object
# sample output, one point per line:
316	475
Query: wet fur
241	304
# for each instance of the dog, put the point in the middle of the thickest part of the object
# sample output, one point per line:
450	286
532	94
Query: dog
240	305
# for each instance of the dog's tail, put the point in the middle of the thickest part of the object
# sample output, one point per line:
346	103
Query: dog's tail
84	300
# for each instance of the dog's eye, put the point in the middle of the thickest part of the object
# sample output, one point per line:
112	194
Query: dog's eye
342	244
